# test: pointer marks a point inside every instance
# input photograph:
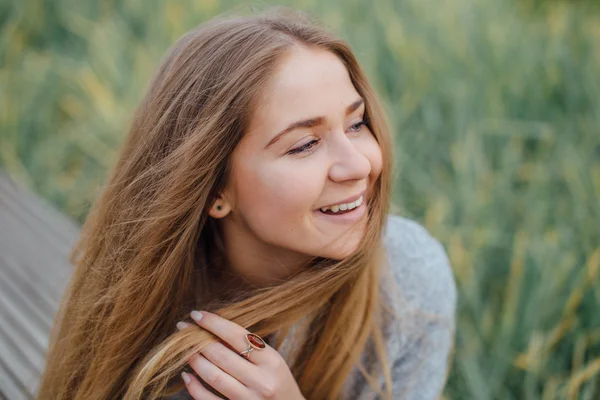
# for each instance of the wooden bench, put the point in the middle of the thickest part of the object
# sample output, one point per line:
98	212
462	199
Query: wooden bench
35	241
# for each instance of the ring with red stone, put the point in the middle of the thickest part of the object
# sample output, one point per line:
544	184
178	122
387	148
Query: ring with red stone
254	342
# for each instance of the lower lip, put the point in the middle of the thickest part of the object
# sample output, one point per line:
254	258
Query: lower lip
351	216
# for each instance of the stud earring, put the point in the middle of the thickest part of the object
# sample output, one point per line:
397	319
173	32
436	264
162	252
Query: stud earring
219	208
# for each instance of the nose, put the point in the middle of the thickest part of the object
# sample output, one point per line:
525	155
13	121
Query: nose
349	163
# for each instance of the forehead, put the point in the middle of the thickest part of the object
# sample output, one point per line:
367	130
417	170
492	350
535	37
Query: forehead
309	82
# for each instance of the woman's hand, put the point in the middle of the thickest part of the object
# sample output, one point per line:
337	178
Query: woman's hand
264	375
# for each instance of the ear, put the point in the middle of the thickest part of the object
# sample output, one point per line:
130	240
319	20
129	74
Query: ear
220	207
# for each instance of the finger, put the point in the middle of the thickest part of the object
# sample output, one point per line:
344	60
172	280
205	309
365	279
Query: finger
196	389
230	362
217	378
233	334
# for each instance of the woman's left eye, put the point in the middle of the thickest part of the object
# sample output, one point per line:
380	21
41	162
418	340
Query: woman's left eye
305	148
310	145
357	126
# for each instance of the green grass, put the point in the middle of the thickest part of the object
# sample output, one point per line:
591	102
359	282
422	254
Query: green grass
496	114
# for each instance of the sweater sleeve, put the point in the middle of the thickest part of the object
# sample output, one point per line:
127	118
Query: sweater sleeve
423	339
420	373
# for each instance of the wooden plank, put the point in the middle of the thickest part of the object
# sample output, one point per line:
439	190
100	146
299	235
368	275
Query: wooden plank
16	372
21	332
35	241
10	389
28	223
18	291
60	225
39	260
34	250
33	288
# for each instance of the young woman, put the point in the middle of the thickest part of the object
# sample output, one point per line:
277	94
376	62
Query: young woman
252	194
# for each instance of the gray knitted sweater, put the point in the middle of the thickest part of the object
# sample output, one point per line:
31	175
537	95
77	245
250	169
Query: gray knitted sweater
419	341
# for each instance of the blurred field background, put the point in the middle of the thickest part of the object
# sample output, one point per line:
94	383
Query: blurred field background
495	107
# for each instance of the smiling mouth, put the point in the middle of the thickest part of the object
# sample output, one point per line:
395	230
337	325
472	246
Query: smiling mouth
329	212
343	208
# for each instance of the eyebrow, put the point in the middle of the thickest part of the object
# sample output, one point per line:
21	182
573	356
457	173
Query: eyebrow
312	122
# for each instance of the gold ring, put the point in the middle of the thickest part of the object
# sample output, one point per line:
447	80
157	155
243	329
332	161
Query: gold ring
254	342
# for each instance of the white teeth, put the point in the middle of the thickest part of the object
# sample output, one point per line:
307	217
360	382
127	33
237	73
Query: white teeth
344	207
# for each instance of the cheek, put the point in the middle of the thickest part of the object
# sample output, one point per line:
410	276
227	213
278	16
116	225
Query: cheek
283	191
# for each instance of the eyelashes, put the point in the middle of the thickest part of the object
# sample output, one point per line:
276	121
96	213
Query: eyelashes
304	148
310	145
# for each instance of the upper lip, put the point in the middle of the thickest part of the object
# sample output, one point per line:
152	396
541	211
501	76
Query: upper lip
348	200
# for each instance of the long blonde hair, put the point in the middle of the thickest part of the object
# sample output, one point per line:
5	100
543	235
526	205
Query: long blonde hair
143	260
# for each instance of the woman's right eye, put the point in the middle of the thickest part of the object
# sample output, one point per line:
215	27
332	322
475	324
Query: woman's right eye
304	148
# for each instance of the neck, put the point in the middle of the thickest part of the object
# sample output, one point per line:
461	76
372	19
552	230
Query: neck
251	262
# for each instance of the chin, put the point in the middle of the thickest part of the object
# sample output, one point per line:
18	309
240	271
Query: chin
344	251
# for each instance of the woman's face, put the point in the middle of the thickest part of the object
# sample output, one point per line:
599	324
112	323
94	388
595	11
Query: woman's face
283	175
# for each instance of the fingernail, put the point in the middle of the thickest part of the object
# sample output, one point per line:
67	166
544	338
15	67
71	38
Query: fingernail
197	315
182	325
186	377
